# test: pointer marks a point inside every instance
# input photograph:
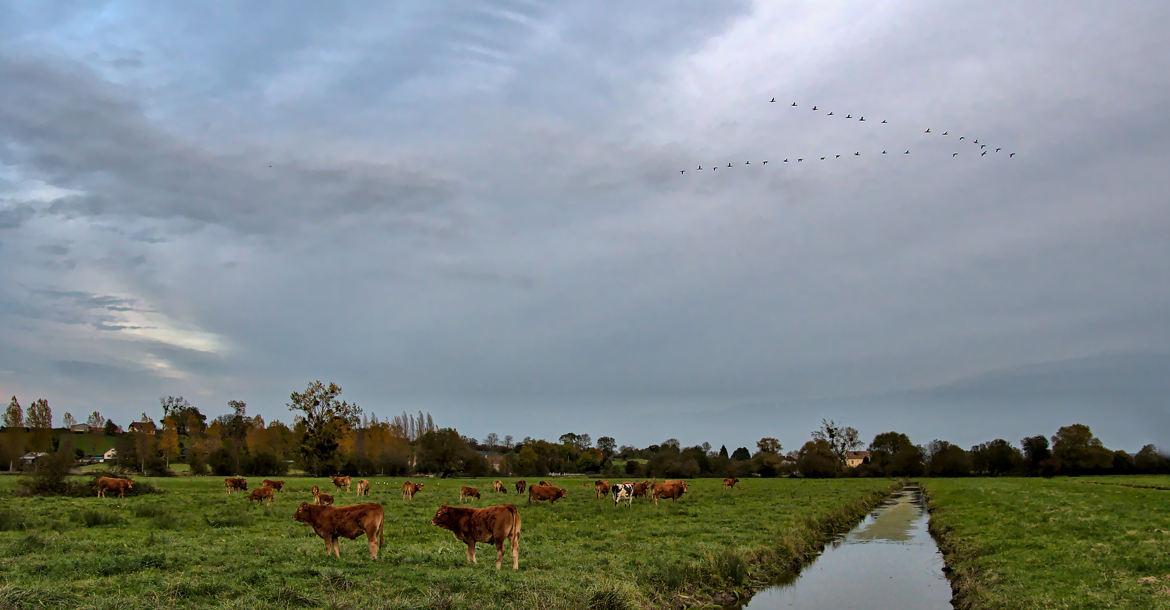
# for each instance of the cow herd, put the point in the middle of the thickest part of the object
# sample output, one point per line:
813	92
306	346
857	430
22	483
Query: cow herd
498	525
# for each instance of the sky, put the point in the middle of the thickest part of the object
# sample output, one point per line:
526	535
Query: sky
475	209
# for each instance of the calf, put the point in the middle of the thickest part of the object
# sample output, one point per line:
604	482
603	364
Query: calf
320	498
520	485
498	487
105	484
340	482
494	524
409	489
600	489
670	489
277	485
729	483
332	524
468	492
545	492
261	494
363	487
233	484
622	491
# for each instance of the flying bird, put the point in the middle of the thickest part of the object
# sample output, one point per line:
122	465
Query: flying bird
907	152
765	161
946	133
814	107
728	164
786	159
822	158
975	142
883	121
773	101
982	146
883	152
861	119
682	171
983	153
927	130
830	113
1010	155
798	160
794	104
849	116
699	168
961	137
747	162
953	155
998	149
857	154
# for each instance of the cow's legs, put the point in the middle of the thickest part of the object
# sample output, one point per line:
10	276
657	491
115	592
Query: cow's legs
499	553
516	550
471	552
373	545
328	546
337	547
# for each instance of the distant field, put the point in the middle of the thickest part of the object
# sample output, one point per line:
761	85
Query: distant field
195	546
1133	480
1054	543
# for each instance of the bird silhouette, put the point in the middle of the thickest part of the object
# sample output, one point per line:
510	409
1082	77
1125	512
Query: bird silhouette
714	169
961	137
822	158
1010	155
699	168
830	113
765	161
907	152
786	159
983	153
814	107
975	141
998	149
883	121
927	130
747	162
953	155
849	116
861	119
883	152
946	133
798	159
682	171
836	156
729	165
982	146
794	104
857	154
773	101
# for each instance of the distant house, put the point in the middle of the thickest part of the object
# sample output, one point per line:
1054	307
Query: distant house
31	457
110	454
79	428
496	461
853	459
145	427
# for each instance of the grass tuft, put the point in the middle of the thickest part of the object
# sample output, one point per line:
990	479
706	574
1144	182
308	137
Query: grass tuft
97	517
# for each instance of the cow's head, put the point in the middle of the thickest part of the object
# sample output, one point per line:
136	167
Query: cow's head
304	513
562	493
129	484
442	516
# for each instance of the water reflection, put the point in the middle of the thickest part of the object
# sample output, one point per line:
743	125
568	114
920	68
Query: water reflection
888	560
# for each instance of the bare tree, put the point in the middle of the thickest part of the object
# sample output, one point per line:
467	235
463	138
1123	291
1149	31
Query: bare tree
840	438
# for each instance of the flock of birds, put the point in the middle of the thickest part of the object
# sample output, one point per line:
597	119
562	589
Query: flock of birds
983	149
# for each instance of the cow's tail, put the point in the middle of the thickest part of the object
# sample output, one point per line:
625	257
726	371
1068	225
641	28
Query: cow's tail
380	521
514	531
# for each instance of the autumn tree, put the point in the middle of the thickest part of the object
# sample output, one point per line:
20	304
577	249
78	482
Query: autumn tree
39	420
95	421
841	439
68	420
186	416
13	444
168	444
325	418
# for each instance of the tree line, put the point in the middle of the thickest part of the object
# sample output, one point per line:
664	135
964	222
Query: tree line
332	436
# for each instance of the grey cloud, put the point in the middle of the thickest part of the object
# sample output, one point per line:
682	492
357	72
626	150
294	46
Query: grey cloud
14	217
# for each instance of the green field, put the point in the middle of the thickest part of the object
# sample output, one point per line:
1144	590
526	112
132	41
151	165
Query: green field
1053	543
193	545
1155	481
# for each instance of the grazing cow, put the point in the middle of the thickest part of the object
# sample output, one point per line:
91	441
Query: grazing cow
641	488
729	483
545	483
545	492
494	524
277	485
409	489
261	494
363	487
670	489
233	484
498	487
333	523
105	484
600	488
622	491
520	485
320	498
468	492
340	482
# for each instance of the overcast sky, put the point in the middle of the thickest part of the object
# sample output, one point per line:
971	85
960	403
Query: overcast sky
475	209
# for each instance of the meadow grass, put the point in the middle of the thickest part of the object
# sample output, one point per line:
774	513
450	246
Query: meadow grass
194	545
1052	543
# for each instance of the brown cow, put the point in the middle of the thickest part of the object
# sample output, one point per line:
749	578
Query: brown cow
105	484
494	524
320	498
340	482
670	489
520	485
233	484
729	482
409	489
468	492
277	485
498	487
332	524
363	487
545	483
261	494
545	492
600	489
640	489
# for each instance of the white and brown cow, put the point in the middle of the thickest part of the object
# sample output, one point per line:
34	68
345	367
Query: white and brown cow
622	491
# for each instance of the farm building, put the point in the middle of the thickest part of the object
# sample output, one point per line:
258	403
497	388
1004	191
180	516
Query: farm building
853	459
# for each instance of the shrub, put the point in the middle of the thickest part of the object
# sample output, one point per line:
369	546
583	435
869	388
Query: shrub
264	464
12	520
95	518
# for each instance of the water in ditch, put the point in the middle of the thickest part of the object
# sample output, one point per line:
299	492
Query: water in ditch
888	560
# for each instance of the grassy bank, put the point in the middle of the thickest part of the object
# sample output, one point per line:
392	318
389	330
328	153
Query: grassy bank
195	546
1052	543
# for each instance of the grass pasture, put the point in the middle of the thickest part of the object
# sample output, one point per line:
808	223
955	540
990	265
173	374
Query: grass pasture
1053	543
194	545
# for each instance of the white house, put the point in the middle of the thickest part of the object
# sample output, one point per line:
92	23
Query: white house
109	455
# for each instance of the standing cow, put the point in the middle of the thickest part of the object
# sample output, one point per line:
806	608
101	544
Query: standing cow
235	484
468	492
729	482
545	492
340	482
520	485
320	498
600	489
277	485
622	491
332	524
670	489
409	489
105	484
494	524
261	494
363	487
